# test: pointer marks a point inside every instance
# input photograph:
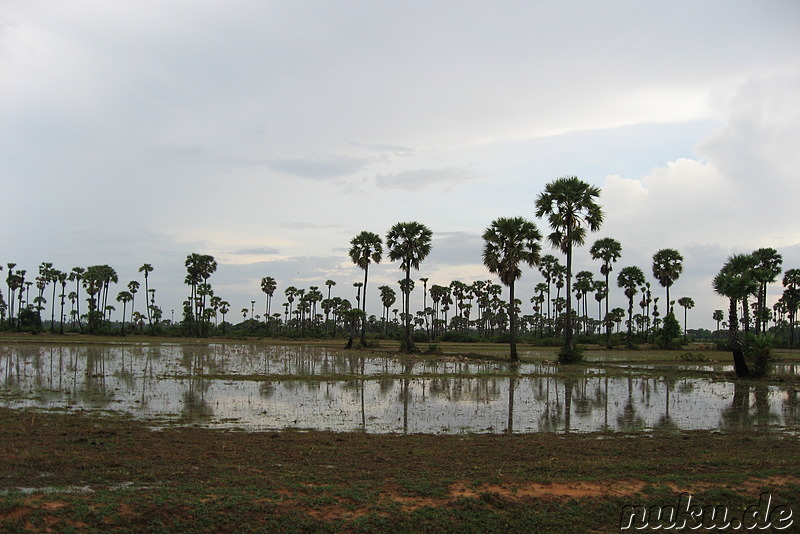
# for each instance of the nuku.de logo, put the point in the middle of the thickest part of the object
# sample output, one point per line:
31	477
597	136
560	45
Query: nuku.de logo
685	515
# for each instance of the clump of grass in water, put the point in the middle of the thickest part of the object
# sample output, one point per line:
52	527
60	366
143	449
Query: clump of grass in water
689	357
433	348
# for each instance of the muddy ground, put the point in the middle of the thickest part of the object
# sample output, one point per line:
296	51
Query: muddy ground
88	472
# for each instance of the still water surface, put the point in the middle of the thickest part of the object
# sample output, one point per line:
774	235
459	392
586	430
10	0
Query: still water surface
307	387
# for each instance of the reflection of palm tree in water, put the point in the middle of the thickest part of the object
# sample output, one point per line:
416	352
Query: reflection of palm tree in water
94	383
194	402
405	394
629	420
569	383
665	422
791	407
512	385
739	416
550	420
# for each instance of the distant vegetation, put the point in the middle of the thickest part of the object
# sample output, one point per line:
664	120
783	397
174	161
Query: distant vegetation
559	313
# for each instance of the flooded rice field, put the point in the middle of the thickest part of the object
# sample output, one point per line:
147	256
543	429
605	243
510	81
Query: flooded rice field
256	388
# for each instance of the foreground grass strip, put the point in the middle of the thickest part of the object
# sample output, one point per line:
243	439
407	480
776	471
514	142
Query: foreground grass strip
84	473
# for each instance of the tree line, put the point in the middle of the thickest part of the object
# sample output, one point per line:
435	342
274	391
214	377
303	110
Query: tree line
571	211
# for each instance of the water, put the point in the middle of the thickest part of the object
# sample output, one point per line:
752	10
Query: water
272	387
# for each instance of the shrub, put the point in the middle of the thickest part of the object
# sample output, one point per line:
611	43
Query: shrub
758	354
567	355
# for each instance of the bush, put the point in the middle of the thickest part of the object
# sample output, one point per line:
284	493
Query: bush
456	336
567	355
545	341
669	336
758	354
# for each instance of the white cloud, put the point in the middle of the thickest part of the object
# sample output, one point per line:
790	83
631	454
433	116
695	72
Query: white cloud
145	131
415	180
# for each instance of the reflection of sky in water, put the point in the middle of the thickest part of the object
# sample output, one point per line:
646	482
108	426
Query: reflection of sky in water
375	393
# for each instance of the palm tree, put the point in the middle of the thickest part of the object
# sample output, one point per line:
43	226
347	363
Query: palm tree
584	282
547	266
735	281
365	248
199	268
718	316
330	284
76	275
608	250
424	281
767	270
570	206
124	297
687	304
268	286
291	292
667	267
62	279
410	243
224	307
630	278
147	269
508	242
791	294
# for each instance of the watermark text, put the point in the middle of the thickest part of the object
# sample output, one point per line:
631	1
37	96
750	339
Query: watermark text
686	514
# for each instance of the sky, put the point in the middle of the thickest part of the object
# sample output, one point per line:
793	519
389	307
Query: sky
269	133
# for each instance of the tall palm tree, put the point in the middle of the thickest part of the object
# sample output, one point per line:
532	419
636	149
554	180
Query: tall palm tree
365	248
630	278
584	282
570	206
147	269
667	267
608	250
547	266
767	270
735	281
291	292
791	294
268	286
62	279
124	297
410	243
330	284
76	275
507	243
718	316
687	304
199	268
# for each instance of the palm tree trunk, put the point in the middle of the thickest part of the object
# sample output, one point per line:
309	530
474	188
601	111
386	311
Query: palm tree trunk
410	347
739	362
364	309
512	319
568	342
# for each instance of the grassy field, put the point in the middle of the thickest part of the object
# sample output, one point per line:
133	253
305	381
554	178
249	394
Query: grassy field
86	472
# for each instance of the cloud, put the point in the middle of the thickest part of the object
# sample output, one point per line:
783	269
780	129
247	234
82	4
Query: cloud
319	168
395	150
736	193
455	248
423	178
262	251
301	225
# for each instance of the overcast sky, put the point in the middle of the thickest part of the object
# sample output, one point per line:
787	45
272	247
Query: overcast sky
268	134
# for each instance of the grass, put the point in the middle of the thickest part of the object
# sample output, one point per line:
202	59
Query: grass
87	472
201	480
